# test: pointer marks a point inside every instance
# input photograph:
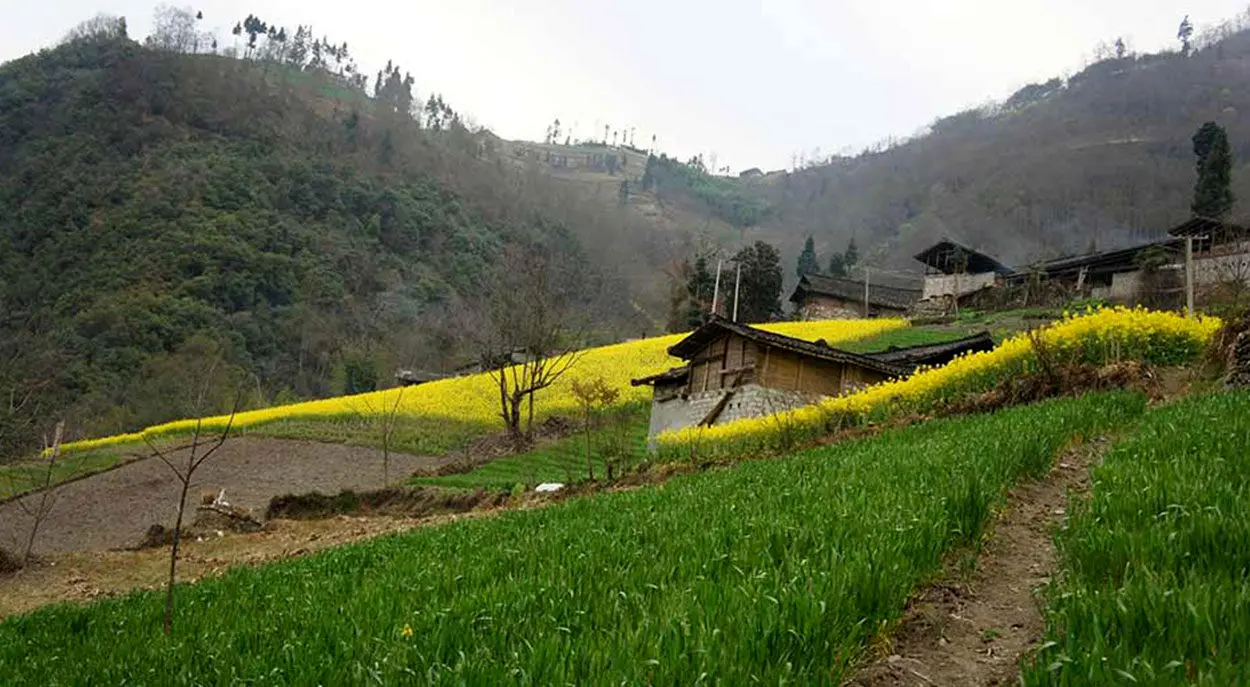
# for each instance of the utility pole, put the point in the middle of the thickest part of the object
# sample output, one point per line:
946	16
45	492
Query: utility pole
716	288
867	276
1189	276
737	282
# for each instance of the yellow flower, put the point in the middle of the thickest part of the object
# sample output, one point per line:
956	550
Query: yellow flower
474	398
406	631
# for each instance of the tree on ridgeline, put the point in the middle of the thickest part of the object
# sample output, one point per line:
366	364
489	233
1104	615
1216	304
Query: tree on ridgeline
1183	34
1213	194
100	27
807	259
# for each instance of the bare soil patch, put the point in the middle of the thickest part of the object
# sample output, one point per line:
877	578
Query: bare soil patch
973	628
412	502
115	509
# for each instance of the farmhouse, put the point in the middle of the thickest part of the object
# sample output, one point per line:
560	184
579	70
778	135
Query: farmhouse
818	297
1114	275
734	371
1221	251
953	269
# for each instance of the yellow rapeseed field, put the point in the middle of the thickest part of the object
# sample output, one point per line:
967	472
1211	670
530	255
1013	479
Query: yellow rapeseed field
473	398
1094	336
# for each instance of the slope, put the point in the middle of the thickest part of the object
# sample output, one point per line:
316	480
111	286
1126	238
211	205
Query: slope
165	208
1102	158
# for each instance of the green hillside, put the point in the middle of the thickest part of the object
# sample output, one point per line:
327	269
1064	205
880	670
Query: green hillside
162	208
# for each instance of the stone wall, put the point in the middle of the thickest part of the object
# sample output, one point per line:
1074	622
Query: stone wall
823	308
945	284
749	400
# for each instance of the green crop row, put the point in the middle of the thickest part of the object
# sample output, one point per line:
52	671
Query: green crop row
1156	564
770	571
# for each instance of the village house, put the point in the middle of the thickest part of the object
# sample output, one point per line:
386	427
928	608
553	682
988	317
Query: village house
735	371
818	297
1221	250
1113	275
953	270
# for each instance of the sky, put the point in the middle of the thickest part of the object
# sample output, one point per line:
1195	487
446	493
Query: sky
746	84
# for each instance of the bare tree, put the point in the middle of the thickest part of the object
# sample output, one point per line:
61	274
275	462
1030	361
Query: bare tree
384	420
176	29
523	330
199	451
37	510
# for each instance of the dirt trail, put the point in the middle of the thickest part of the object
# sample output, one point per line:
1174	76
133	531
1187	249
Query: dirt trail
973	628
113	509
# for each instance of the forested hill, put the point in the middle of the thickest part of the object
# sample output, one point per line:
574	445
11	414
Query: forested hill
1102	157
160	207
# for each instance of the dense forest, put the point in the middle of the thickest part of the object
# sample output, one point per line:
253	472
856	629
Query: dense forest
163	207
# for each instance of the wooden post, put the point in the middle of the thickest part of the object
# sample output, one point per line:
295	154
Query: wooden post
866	278
716	287
1189	276
737	282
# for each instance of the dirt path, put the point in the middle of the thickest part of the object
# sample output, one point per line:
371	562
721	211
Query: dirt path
113	509
973	628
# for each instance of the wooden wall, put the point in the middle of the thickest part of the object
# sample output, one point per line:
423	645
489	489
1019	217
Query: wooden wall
734	357
721	362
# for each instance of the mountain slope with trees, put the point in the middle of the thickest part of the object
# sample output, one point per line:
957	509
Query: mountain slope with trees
163	208
1100	159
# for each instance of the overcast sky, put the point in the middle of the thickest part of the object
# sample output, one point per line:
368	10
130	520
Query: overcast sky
752	82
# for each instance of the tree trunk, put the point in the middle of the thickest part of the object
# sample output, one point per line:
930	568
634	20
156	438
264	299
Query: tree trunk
590	467
173	560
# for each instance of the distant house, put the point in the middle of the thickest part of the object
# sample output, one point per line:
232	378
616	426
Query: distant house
818	297
734	371
1114	275
1221	250
953	269
751	173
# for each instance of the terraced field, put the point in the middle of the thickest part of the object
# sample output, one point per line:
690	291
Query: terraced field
774	570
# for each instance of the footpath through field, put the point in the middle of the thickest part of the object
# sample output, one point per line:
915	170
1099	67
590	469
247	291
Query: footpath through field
972	627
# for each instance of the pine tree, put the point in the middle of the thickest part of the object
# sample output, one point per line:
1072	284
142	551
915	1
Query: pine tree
1213	195
699	290
851	256
807	259
837	266
759	296
1183	33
